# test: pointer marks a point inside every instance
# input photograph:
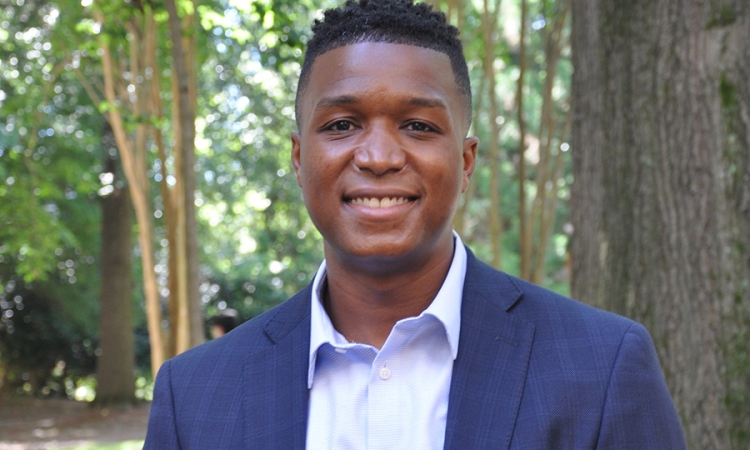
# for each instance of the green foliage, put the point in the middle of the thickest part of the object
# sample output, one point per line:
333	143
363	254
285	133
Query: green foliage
543	14
247	190
49	216
257	243
43	343
47	157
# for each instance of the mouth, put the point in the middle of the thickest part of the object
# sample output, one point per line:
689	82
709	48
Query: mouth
380	203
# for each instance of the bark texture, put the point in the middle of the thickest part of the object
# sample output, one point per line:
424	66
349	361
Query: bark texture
660	142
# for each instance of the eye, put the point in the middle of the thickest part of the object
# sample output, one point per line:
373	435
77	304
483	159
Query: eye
340	125
419	126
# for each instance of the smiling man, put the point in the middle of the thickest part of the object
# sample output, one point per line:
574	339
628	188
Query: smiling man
404	340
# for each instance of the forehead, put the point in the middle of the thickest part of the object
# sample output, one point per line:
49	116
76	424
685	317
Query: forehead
372	70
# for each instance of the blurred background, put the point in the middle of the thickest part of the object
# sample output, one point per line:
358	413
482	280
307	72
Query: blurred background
146	187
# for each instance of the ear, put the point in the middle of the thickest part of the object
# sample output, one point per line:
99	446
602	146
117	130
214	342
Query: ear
469	160
294	135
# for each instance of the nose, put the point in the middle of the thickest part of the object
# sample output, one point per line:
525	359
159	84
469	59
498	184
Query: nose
380	152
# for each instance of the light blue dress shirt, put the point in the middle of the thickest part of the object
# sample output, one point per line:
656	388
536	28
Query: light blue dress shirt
392	398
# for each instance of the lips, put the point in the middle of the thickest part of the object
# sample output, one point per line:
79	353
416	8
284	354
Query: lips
374	202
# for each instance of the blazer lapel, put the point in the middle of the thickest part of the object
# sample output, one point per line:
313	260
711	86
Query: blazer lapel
493	357
275	384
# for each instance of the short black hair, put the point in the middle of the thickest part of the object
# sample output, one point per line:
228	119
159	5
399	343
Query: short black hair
227	319
389	21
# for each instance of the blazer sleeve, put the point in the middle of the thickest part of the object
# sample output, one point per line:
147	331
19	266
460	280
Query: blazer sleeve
162	431
638	411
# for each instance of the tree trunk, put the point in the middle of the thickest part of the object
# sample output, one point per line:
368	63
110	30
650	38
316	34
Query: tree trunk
116	364
549	168
185	91
657	203
524	233
127	103
587	140
133	155
496	223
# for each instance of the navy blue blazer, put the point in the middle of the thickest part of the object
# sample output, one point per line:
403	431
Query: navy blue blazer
534	370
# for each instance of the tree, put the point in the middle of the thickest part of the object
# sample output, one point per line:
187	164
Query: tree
116	364
258	243
488	31
537	220
131	100
241	60
517	52
661	142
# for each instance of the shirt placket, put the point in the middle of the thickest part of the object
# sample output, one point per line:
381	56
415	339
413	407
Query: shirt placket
385	424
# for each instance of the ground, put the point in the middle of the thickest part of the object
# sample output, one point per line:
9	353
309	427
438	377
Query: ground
32	424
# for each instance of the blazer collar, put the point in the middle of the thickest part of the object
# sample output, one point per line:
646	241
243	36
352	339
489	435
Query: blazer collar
493	358
488	375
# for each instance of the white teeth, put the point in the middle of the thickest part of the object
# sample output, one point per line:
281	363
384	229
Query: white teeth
380	203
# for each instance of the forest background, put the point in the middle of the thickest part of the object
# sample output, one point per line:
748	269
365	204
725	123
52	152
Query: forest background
146	184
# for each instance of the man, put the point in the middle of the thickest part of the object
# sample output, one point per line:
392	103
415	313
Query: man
404	340
223	323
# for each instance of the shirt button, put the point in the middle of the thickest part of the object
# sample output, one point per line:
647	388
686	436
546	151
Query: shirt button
385	373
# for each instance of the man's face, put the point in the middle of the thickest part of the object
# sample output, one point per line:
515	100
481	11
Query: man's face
380	155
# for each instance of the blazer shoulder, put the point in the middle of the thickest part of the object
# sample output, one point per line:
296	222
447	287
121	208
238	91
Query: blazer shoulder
217	395
253	336
568	370
554	316
542	302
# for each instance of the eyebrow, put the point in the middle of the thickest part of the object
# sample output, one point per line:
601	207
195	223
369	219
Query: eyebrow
427	102
332	102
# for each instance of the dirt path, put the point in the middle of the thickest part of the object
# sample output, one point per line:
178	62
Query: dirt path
31	424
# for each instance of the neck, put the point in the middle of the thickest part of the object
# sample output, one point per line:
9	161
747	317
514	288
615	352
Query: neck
364	306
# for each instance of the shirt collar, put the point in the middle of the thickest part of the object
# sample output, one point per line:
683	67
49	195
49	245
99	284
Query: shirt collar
446	307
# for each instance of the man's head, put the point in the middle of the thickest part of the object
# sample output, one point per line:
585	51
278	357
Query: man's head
223	323
389	21
381	153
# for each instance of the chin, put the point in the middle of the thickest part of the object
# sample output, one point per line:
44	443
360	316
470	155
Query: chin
386	255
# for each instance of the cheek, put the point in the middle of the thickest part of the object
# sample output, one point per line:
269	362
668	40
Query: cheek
315	178
449	176
308	169
318	187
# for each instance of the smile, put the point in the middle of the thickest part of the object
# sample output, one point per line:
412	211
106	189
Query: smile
373	202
